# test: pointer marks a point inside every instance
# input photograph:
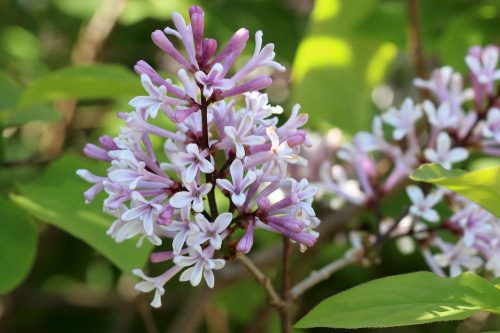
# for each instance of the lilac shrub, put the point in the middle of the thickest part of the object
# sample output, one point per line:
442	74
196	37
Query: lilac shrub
457	123
220	152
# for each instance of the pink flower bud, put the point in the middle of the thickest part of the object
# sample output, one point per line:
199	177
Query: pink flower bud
166	46
166	217
259	83
97	153
263	203
195	10
232	50
197	26
209	48
297	138
142	67
107	143
161	256
246	242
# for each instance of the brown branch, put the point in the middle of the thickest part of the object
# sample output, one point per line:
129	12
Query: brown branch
190	315
146	315
383	237
285	314
97	31
415	46
268	257
324	273
224	167
209	178
89	42
349	258
263	279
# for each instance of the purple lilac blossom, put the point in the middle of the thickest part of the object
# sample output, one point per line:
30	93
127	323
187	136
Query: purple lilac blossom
162	195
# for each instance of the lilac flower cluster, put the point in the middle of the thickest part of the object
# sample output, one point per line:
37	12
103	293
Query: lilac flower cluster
457	122
221	156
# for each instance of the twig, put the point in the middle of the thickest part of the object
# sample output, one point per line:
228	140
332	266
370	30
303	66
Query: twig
210	178
190	315
285	315
263	314
263	279
324	273
383	237
89	43
146	314
268	257
415	38
224	167
216	319
95	33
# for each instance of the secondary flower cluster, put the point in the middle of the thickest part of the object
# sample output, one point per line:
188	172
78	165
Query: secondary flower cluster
459	121
219	157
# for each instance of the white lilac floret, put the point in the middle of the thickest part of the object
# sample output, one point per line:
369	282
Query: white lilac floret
232	146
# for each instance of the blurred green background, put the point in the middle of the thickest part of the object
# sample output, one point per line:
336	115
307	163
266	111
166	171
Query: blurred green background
59	272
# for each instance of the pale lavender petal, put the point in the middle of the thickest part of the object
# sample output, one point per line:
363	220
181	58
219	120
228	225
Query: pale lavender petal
222	222
181	199
225	185
196	274
209	277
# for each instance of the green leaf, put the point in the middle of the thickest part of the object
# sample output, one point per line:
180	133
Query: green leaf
496	282
83	83
138	10
409	299
481	186
20	43
18	241
337	67
10	92
57	198
81	10
34	113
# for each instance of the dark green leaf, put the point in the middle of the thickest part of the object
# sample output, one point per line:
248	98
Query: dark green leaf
10	92
84	83
57	198
18	241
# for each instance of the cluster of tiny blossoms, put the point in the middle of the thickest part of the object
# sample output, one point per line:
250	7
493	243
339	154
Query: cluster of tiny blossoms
458	122
239	154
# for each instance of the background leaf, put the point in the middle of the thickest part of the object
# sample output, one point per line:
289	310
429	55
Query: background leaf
82	82
10	92
57	198
481	186
18	242
409	299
